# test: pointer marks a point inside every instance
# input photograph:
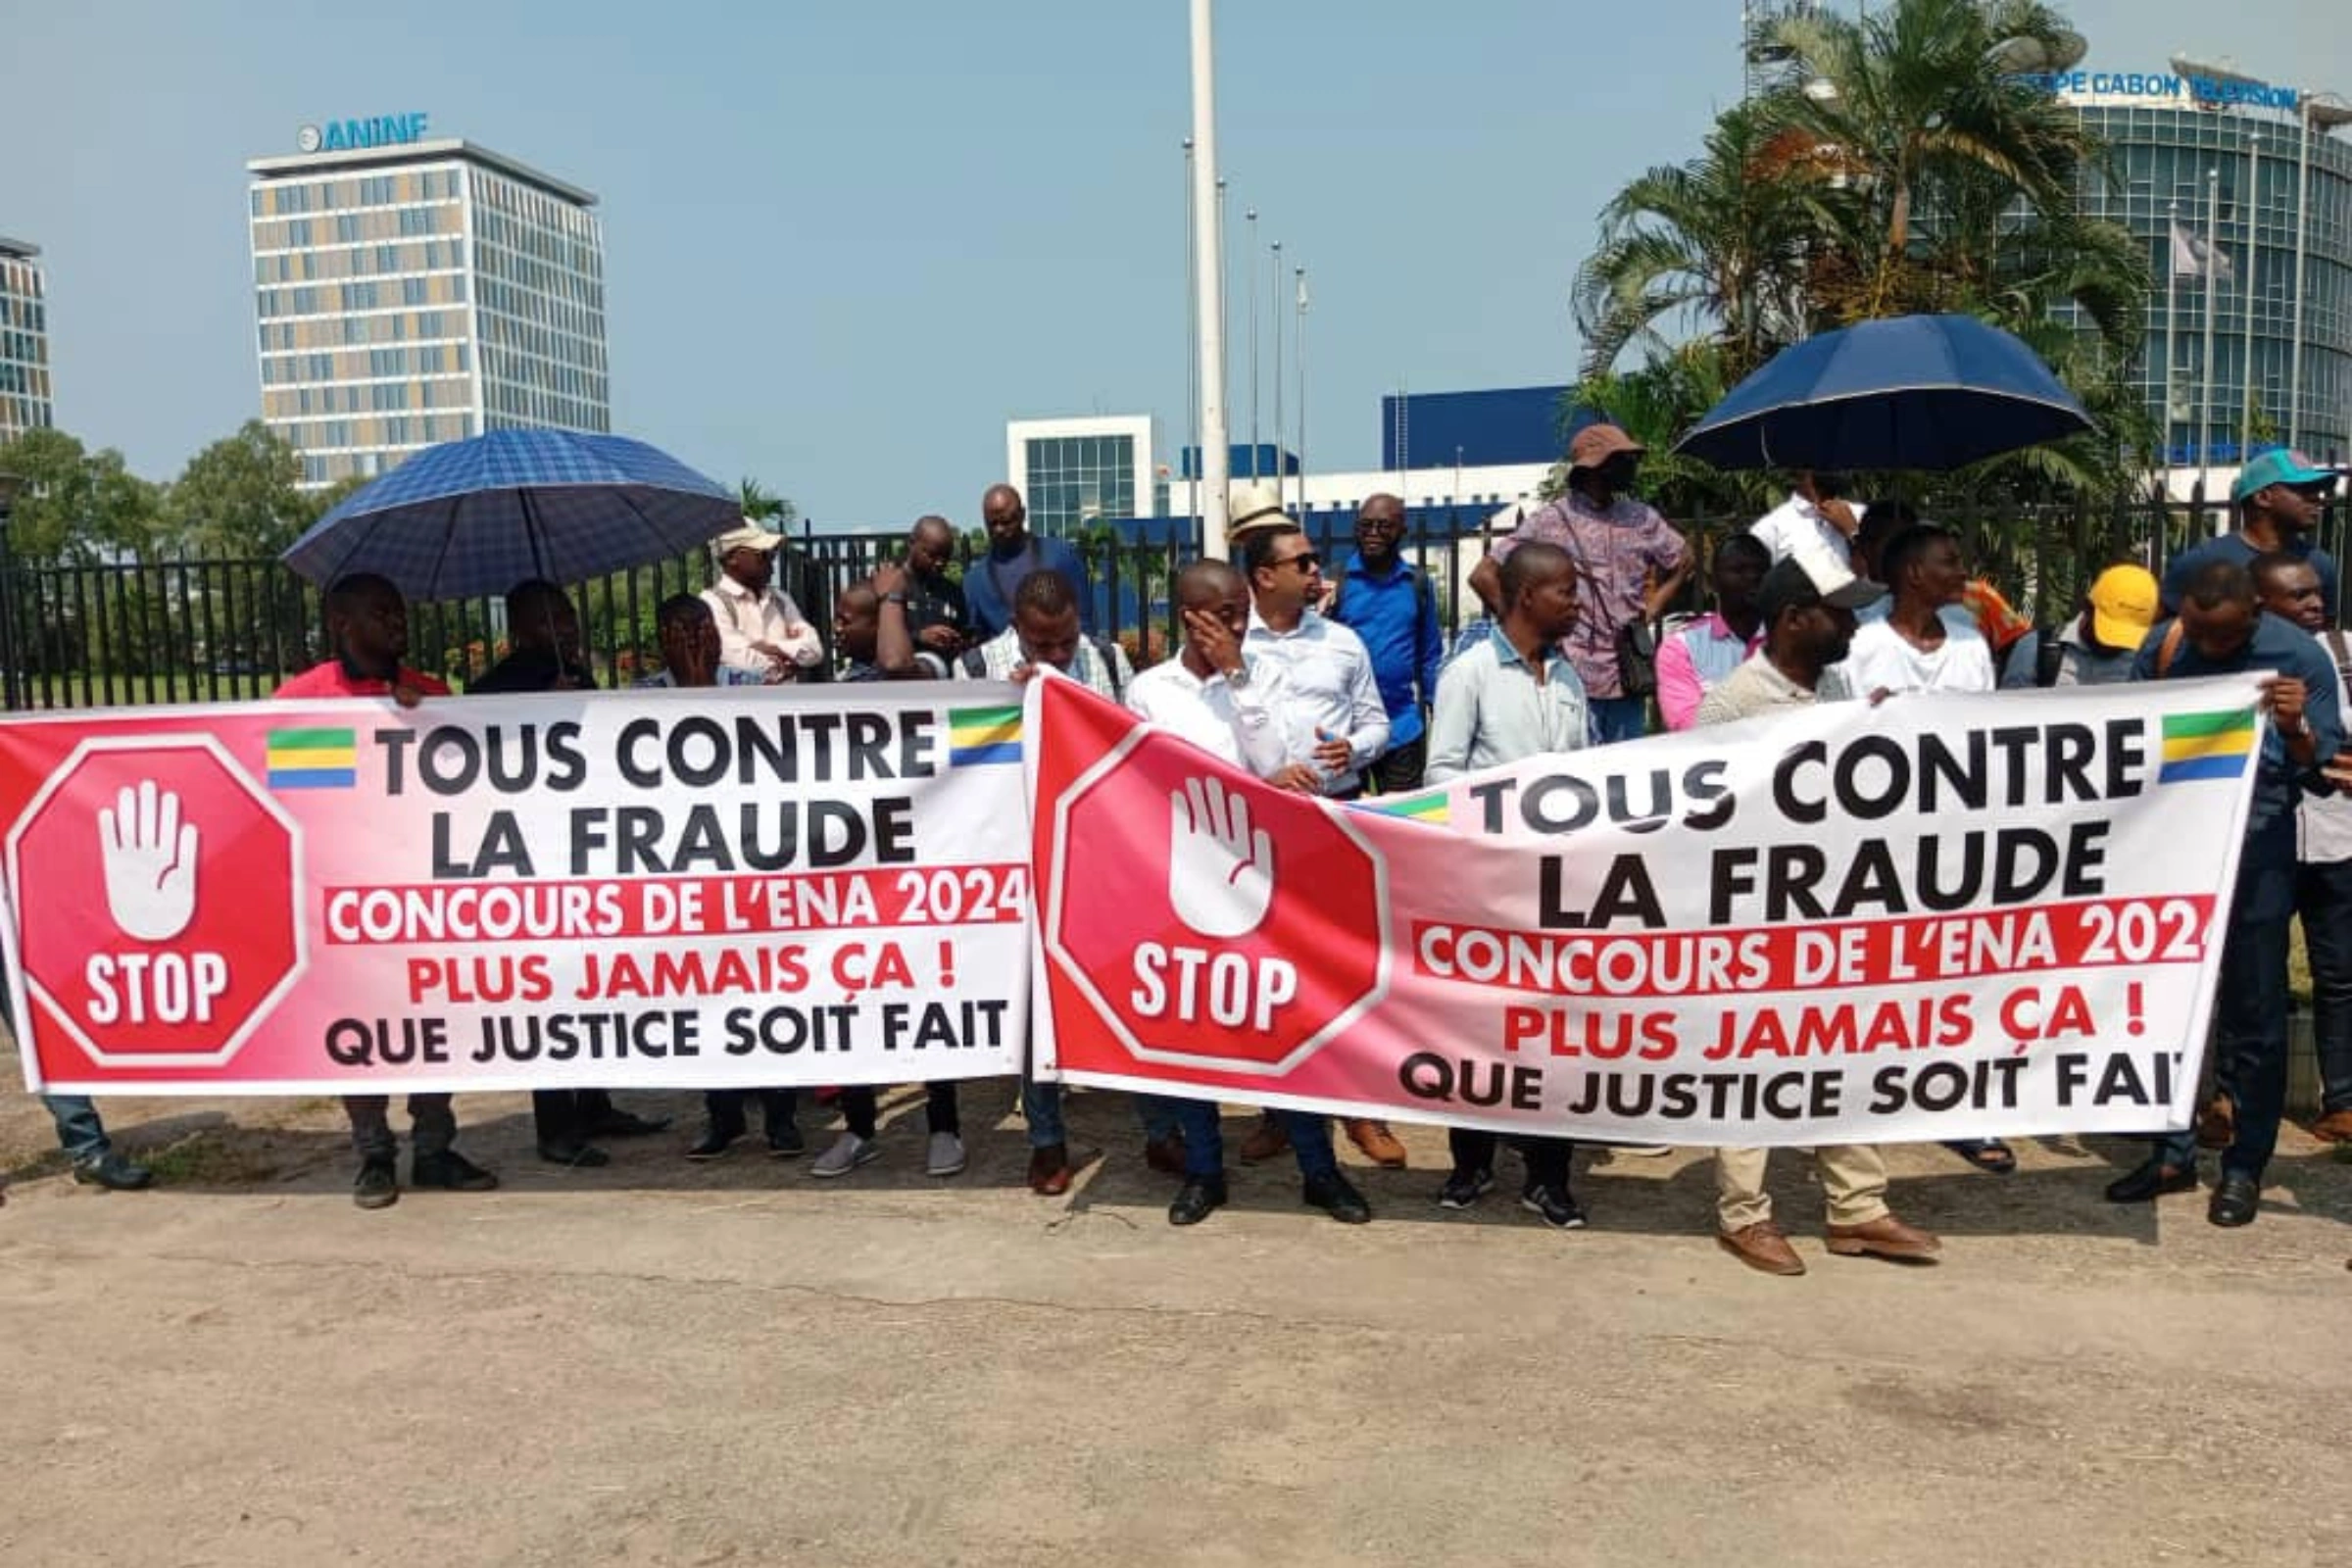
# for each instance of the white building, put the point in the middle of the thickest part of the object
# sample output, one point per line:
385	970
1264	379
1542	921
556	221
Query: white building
1109	468
26	400
410	291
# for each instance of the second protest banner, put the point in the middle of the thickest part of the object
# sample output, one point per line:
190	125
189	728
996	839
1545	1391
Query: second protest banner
681	889
1934	918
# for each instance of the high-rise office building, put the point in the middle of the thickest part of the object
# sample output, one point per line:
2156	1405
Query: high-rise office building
25	396
410	291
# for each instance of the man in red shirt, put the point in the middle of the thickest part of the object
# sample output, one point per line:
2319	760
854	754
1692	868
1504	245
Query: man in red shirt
367	625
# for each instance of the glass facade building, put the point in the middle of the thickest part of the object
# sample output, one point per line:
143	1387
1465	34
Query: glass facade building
1076	472
24	393
411	295
2231	175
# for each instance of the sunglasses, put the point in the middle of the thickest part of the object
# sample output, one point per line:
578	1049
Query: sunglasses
1305	560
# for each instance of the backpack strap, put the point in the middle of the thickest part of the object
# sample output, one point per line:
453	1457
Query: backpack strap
2339	651
1107	651
2049	658
2170	648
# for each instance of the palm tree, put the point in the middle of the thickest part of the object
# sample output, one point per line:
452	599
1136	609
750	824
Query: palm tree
765	508
1715	245
1928	131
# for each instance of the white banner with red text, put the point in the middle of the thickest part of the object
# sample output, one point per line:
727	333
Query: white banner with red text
727	888
1939	918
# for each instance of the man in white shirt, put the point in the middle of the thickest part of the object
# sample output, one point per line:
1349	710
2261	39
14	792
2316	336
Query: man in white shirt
1324	665
1917	647
1218	693
1336	696
1815	511
1920	647
761	630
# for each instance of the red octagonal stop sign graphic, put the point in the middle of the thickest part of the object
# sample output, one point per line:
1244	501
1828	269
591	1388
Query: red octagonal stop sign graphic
147	874
1205	937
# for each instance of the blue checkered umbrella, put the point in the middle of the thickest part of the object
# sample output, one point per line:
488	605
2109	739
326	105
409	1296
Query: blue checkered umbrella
478	517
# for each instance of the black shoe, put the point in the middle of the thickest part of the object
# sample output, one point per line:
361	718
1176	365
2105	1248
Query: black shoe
113	1172
574	1152
1199	1197
1555	1207
1332	1194
2236	1199
714	1142
2151	1180
619	1123
450	1171
784	1142
1464	1187
377	1184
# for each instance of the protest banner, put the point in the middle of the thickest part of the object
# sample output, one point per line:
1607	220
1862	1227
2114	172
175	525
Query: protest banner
662	889
1939	917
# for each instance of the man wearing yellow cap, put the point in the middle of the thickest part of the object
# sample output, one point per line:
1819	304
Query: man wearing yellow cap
2097	647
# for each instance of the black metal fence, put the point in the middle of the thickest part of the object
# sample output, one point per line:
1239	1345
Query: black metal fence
206	630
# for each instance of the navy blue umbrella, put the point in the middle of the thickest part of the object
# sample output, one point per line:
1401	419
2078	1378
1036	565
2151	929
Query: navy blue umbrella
1911	392
478	517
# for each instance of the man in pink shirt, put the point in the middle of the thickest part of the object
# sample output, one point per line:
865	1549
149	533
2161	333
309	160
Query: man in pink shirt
1710	648
367	627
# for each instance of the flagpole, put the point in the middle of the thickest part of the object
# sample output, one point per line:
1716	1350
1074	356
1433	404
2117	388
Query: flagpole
1249	248
1303	394
1208	260
1191	350
2246	287
2213	218
2172	326
1274	319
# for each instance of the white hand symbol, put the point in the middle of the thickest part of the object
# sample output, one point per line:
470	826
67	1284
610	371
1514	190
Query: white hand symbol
1220	874
150	863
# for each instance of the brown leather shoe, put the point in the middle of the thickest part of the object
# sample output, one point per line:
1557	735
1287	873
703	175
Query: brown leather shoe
1165	1154
1269	1139
2333	1128
1380	1146
1883	1237
1050	1170
1762	1247
2218	1127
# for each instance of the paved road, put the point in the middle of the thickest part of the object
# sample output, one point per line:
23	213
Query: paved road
733	1364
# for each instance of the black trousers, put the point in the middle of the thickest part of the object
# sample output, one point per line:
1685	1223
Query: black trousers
726	1108
1547	1157
1398	771
562	1114
862	1105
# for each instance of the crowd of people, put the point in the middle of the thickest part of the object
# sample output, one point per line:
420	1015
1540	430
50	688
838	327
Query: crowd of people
1335	679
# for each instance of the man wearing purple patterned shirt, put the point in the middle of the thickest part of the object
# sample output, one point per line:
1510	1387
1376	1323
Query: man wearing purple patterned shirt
1630	564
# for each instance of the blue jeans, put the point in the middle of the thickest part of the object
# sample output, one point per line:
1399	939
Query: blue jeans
1162	1117
1619	718
1205	1140
79	1133
1041	1109
2249	1048
2324	901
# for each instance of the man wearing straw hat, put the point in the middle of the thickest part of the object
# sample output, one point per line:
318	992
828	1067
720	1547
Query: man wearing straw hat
761	630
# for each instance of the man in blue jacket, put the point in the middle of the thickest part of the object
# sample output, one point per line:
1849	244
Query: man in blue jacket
1014	552
1392	606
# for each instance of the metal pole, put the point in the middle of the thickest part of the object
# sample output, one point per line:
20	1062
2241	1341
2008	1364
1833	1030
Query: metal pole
2172	315
2213	266
2246	289
1274	319
1302	392
12	675
1249	248
1208	200
1192	341
2294	373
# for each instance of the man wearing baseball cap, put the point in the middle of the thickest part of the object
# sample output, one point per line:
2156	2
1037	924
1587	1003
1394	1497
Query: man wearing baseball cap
2279	495
1630	564
761	630
2097	647
1808	602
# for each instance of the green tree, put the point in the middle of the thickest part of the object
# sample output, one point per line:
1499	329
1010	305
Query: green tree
241	495
77	505
765	508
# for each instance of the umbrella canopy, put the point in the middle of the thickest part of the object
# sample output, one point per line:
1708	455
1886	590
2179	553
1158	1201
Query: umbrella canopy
478	517
1911	392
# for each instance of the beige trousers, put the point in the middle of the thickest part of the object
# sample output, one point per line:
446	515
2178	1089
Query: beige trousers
1853	1175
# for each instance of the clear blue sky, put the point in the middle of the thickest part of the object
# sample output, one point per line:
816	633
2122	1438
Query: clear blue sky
846	242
